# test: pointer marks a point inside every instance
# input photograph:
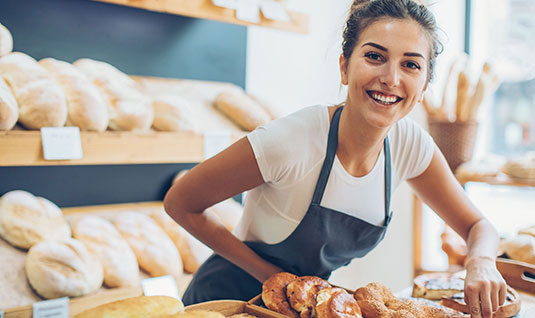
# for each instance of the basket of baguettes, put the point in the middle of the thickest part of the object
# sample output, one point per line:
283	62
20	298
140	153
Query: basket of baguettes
433	295
97	96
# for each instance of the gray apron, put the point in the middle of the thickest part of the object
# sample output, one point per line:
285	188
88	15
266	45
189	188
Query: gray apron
325	240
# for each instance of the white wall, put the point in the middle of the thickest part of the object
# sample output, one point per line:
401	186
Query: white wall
294	70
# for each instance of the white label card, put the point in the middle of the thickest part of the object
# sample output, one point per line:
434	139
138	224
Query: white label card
230	4
248	10
274	11
61	143
160	286
1	314
54	308
215	142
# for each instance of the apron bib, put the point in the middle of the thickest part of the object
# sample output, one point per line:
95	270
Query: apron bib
325	240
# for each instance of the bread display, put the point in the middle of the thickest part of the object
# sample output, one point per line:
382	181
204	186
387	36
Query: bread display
520	248
179	237
241	109
274	294
154	250
41	100
110	248
136	307
173	113
63	268
86	106
9	110
6	41
302	293
26	220
128	107
437	285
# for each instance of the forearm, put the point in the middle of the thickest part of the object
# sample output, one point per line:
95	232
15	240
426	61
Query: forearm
482	241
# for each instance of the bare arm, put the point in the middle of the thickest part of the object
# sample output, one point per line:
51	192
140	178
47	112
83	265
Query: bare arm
438	188
227	174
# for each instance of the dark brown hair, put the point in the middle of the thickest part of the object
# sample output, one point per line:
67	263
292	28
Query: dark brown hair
365	12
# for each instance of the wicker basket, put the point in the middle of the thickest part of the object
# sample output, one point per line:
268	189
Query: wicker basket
456	140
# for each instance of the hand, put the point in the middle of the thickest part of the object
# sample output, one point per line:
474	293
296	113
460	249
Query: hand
484	288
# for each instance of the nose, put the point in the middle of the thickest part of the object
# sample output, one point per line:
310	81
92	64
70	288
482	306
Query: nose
390	75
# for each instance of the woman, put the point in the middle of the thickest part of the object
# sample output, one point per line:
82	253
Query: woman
320	179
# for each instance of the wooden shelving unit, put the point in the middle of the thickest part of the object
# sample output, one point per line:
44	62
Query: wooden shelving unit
205	9
500	179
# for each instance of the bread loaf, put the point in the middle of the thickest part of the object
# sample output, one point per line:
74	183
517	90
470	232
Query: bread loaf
110	248
63	268
242	109
86	106
520	248
9	110
26	220
179	237
154	250
173	113
136	307
128	107
41	100
6	41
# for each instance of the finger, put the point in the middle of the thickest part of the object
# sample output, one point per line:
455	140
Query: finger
471	296
494	297
486	304
502	294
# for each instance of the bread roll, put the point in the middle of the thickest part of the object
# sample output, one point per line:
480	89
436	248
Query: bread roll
128	107
9	110
173	113
26	220
154	250
136	307
41	100
6	41
87	108
242	109
111	249
63	268
520	248
179	237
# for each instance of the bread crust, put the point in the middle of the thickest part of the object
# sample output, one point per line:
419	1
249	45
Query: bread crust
334	302
274	294
302	293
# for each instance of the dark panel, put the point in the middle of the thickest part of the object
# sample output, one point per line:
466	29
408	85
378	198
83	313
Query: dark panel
136	41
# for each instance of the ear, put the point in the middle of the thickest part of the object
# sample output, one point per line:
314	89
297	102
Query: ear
343	69
422	94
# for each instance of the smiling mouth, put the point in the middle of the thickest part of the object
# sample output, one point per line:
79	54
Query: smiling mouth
384	99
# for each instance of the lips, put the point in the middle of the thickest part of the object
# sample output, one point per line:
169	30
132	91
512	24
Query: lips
384	99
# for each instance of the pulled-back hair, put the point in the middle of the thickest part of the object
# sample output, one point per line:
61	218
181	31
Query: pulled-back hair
365	12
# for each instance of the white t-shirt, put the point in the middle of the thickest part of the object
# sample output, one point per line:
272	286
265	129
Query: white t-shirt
290	152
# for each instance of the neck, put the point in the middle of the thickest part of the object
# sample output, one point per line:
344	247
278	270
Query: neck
359	144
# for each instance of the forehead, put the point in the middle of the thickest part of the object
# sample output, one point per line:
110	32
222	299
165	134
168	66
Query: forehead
397	35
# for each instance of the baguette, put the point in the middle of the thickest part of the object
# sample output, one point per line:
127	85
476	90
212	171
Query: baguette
241	109
136	307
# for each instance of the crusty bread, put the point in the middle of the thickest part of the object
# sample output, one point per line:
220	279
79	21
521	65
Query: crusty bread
9	110
63	268
86	106
336	302
154	250
436	285
104	241
179	237
520	248
173	113
6	41
274	294
136	307
129	108
242	109
26	220
41	101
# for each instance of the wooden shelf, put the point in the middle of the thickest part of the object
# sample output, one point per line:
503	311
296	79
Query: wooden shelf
500	179
205	9
24	148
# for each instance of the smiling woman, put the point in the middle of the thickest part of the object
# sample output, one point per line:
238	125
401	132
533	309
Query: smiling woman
319	180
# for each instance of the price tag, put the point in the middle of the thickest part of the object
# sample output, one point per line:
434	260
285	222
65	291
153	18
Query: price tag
160	286
230	4
215	142
54	308
61	143
274	11
248	10
1	314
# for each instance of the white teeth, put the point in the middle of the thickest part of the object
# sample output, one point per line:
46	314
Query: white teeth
384	99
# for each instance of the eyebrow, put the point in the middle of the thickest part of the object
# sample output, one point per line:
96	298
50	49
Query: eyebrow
382	48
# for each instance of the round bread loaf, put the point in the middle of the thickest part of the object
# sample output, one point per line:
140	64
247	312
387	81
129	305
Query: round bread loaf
9	110
6	41
26	220
63	268
136	307
104	241
335	302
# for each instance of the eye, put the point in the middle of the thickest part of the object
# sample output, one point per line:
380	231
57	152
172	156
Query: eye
412	65
374	56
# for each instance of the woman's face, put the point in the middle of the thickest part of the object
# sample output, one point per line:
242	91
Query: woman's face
387	71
